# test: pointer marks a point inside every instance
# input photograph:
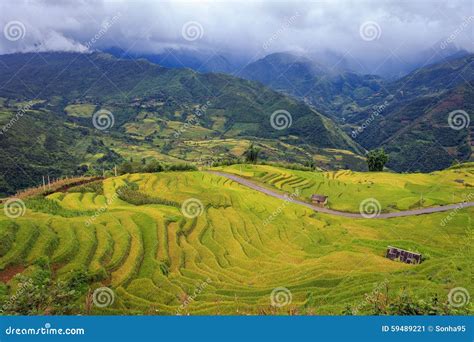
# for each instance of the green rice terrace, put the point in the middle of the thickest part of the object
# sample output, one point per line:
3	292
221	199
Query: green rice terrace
196	243
346	189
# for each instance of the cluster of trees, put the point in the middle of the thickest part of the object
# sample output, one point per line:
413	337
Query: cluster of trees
376	160
251	155
130	193
152	167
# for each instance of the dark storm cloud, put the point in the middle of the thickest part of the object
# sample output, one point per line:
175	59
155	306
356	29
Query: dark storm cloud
245	28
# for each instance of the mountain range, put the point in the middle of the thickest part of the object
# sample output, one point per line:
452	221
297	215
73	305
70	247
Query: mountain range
153	110
48	101
408	116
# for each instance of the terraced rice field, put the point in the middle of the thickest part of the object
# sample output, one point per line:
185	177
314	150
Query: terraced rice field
346	189
241	246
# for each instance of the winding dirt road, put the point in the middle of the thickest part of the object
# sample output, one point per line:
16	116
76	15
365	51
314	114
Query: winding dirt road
286	197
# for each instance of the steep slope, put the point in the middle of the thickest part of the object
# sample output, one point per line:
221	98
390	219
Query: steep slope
415	125
281	71
35	143
105	80
408	117
337	93
153	108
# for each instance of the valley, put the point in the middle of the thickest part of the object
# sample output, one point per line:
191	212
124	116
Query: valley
182	191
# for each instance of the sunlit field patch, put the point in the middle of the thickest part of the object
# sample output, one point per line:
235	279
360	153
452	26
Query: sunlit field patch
346	189
154	257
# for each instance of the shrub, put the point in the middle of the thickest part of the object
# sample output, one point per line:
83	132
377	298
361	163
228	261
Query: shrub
7	237
252	153
38	294
180	167
96	187
404	304
153	166
376	160
52	207
130	193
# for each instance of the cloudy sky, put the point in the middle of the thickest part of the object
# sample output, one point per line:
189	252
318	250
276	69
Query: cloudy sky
369	30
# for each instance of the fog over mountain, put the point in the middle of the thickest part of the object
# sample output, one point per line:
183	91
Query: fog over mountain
370	36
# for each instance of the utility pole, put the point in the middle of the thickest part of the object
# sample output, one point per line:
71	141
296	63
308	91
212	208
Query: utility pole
44	184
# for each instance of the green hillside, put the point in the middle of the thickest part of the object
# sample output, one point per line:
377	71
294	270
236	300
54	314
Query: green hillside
338	93
131	234
157	113
418	136
413	123
408	117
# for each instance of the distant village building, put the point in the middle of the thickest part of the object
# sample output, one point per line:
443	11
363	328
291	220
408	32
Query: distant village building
319	200
395	253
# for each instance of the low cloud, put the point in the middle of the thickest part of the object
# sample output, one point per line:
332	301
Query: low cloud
241	28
